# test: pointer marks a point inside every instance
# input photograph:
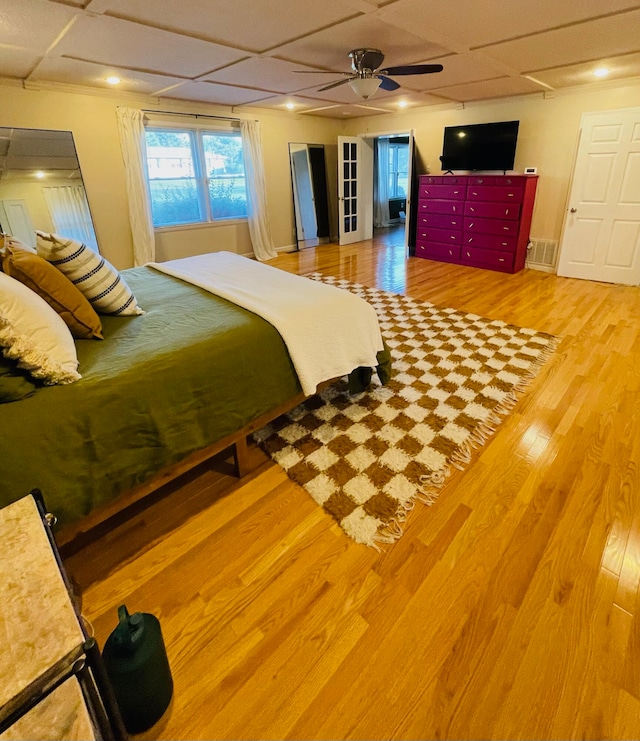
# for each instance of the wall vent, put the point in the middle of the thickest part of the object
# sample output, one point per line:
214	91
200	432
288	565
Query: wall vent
542	254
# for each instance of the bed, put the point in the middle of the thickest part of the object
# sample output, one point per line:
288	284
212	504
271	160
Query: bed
163	391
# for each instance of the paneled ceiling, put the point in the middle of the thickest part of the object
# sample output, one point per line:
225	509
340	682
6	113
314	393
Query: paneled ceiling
248	53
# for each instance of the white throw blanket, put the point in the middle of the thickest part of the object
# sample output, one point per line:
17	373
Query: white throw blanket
328	332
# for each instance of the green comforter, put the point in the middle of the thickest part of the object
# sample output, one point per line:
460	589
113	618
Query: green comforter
190	371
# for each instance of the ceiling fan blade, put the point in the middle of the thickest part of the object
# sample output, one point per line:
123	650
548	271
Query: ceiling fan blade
386	83
412	69
371	59
336	83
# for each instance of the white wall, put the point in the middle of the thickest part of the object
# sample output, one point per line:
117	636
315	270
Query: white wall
547	137
92	119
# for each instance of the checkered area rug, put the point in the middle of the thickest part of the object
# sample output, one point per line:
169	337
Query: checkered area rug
369	457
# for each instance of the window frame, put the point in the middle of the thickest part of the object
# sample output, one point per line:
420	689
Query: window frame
201	178
394	172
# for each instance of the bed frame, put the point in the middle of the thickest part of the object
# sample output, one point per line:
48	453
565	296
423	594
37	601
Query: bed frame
236	440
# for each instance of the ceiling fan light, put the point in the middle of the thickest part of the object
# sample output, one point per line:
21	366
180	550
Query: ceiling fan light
365	87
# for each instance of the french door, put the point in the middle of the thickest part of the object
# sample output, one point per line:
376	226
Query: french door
601	234
355	189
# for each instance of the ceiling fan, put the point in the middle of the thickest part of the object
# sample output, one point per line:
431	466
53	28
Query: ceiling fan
366	77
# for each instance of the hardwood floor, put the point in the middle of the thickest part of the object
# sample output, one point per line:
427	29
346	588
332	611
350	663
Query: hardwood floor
508	609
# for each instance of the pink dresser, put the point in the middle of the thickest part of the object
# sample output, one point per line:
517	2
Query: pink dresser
477	220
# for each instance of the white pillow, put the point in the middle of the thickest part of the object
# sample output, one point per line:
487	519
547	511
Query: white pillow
32	333
92	274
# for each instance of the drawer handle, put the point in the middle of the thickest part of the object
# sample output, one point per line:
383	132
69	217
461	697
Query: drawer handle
451	252
454	223
471	225
504	244
506	228
471	208
455	208
470	240
468	254
510	195
506	212
451	236
455	192
474	193
501	259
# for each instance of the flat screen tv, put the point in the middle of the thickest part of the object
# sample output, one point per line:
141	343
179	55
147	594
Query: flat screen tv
489	146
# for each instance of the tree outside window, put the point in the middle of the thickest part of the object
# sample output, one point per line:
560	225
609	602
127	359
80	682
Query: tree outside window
195	176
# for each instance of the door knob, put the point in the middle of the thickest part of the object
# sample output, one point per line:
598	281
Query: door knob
573	210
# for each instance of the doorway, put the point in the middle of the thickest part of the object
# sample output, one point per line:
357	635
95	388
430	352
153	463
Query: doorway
375	174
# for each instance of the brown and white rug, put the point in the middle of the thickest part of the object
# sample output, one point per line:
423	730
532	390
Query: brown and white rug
368	458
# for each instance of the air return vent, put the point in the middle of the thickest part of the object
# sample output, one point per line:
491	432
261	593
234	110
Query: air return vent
542	255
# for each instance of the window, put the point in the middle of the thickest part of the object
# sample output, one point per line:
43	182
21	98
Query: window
195	176
398	169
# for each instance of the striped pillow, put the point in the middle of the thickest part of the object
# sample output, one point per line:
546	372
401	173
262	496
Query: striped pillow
93	275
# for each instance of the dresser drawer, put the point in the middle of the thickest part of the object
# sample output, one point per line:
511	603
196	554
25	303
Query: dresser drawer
443	180
492	259
503	193
444	236
473	225
492	210
437	206
439	221
490	242
518	180
435	251
449	192
483	180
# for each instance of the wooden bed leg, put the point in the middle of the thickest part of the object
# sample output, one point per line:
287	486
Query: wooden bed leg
241	457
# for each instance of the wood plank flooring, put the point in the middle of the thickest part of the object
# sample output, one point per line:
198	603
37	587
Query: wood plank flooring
508	610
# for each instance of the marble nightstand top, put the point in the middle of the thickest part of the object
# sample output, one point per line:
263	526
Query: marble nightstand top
38	624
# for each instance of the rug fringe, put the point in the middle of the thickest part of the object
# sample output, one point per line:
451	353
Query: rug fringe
430	484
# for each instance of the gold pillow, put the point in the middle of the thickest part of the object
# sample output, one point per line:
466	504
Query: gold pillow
56	289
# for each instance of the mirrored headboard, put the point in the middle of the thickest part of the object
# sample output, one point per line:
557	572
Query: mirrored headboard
41	186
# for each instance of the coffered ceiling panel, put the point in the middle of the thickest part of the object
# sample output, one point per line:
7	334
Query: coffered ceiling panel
625	66
458	69
472	24
501	88
89	74
250	25
330	48
130	45
34	24
16	63
274	74
245	52
210	92
584	42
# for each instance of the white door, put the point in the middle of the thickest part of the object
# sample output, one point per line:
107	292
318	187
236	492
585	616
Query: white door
355	189
601	233
16	220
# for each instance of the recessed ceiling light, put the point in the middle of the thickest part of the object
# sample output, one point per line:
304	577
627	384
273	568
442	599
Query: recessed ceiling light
39	174
290	106
601	72
402	104
113	80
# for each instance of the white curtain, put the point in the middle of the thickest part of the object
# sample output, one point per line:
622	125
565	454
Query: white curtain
70	213
134	153
258	217
381	191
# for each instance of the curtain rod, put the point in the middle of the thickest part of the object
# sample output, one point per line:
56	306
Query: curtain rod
193	115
